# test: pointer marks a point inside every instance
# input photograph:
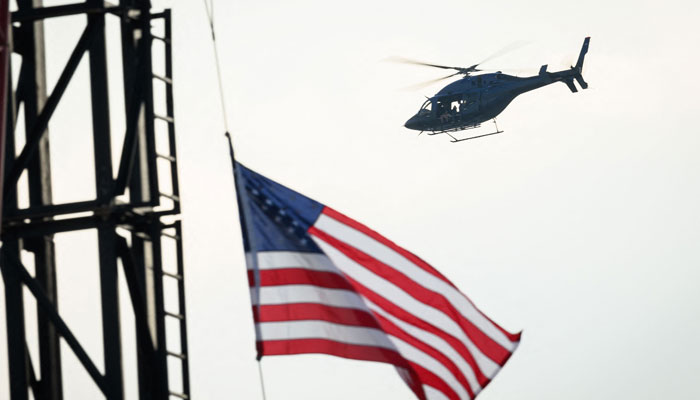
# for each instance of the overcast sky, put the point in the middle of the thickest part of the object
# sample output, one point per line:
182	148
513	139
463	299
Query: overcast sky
579	225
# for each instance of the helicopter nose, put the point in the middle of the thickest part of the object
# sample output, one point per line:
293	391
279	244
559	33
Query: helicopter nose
412	123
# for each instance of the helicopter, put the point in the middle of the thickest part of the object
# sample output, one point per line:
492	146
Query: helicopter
474	99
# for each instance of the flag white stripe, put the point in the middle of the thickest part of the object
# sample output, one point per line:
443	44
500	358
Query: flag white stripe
433	394
397	296
306	329
435	342
295	330
417	356
291	294
268	260
390	257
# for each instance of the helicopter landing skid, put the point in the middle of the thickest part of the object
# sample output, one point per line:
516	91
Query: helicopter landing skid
455	140
453	129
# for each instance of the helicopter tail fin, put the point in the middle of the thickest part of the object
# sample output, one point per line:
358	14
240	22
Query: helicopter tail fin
579	68
584	50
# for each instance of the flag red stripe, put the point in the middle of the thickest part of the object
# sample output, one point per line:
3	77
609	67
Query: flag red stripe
310	311
430	379
345	350
402	314
513	337
355	352
408	255
304	311
488	346
394	330
330	347
381	239
302	276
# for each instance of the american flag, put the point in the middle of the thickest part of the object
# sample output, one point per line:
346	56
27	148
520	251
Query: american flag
321	282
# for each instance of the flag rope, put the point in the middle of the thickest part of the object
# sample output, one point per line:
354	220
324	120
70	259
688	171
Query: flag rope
209	7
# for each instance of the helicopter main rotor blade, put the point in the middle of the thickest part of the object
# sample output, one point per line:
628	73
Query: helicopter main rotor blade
505	50
414	62
463	70
430	82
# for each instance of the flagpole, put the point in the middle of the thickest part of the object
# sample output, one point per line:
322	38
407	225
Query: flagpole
241	206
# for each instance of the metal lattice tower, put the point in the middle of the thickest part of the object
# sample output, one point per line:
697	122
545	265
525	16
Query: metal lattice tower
132	216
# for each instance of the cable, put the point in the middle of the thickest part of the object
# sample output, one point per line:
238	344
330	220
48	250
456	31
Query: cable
209	6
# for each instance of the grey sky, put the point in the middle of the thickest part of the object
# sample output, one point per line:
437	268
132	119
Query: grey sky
579	225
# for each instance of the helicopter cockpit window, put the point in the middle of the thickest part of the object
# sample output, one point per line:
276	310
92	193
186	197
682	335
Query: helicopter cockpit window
426	107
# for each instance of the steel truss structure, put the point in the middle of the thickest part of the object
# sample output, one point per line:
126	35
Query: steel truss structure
131	215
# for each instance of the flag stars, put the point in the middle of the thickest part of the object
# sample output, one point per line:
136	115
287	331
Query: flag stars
280	216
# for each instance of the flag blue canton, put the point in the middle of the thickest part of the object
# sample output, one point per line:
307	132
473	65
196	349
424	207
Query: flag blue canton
278	217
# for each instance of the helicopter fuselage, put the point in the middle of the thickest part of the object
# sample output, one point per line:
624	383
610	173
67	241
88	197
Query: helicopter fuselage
474	99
